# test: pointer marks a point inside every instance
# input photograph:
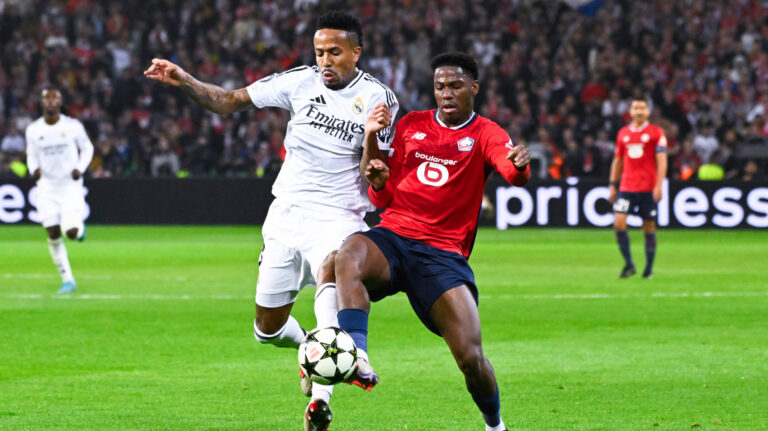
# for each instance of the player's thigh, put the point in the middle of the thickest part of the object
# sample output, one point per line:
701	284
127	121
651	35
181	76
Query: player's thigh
621	208
365	257
647	209
72	209
325	237
49	208
456	317
282	274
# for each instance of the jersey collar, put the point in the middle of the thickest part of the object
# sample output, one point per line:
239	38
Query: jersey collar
354	80
638	129
460	126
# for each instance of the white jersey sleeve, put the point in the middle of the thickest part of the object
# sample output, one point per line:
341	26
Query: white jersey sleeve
84	145
275	90
387	134
33	161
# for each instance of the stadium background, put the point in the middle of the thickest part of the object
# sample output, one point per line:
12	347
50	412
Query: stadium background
556	78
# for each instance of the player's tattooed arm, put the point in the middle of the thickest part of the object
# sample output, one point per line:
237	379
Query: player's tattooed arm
209	96
215	98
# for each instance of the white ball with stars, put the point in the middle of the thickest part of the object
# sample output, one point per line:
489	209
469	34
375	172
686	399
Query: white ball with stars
327	355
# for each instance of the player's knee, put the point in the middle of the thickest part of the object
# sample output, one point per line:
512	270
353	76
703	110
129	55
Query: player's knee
72	233
620	225
471	361
54	232
347	264
328	269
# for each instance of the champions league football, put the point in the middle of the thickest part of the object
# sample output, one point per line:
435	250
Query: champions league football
327	355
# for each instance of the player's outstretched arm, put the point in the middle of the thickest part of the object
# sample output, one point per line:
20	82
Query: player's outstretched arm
209	96
617	165
661	173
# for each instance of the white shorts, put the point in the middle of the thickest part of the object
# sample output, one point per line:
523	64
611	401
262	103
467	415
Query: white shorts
296	241
59	205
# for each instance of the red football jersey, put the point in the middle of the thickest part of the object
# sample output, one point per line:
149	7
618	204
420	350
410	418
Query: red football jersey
637	147
437	178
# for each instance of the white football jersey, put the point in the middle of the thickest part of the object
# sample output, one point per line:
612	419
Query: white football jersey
324	139
58	149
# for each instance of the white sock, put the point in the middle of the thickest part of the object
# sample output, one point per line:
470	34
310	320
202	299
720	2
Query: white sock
325	313
362	354
60	259
325	306
499	427
322	392
290	335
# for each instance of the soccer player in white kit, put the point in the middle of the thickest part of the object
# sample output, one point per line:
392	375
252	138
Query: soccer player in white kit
320	197
58	153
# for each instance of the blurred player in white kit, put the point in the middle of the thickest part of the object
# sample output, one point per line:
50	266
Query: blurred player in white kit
58	153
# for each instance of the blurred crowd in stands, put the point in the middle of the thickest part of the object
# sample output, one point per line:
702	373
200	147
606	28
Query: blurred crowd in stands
556	79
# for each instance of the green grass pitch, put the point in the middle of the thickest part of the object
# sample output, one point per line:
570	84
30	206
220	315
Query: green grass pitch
159	337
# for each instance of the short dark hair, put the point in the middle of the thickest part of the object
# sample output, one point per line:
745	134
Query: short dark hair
639	99
459	59
340	20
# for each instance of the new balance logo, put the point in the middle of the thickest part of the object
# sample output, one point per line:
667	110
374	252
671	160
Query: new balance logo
419	136
319	99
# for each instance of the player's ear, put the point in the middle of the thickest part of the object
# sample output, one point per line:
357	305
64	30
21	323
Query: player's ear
475	87
356	51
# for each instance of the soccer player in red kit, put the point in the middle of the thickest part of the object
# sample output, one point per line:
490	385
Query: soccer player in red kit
432	188
641	162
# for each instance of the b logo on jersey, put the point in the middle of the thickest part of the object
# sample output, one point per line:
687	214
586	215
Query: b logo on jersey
465	144
358	106
635	151
432	174
419	136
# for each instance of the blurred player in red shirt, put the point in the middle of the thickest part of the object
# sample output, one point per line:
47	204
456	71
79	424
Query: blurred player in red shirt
641	162
432	187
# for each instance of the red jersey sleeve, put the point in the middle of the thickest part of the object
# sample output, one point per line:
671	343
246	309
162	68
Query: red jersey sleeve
383	197
496	145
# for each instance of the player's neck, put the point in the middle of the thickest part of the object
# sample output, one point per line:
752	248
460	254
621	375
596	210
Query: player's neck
457	123
51	119
636	125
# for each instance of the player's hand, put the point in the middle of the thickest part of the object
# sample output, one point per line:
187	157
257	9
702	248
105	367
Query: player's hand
377	173
378	118
612	194
520	156
75	174
36	174
657	193
166	72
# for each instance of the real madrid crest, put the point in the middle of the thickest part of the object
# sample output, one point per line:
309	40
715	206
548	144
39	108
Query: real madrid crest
358	107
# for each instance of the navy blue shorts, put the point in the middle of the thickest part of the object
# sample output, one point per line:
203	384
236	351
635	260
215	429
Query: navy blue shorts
422	271
636	203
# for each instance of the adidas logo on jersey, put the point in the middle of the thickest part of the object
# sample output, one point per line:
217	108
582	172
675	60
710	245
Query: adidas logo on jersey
319	99
419	136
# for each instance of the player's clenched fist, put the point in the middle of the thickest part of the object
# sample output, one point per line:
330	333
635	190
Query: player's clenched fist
165	72
520	156
378	118
377	173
